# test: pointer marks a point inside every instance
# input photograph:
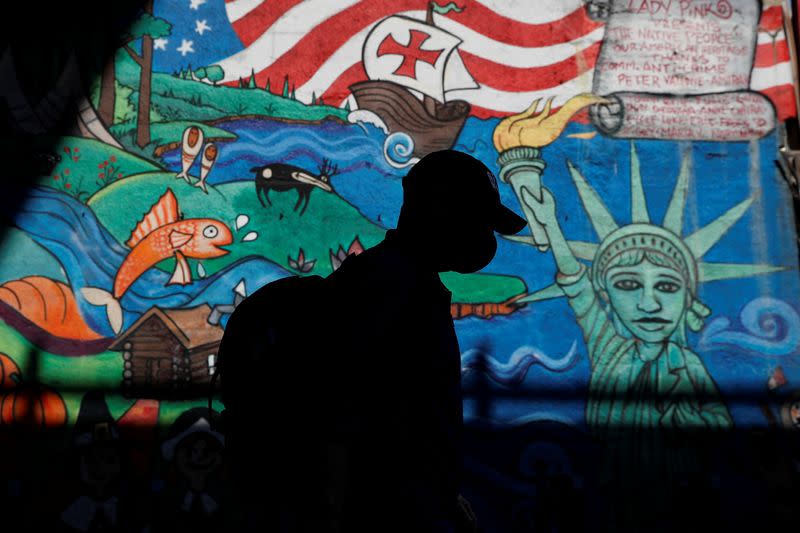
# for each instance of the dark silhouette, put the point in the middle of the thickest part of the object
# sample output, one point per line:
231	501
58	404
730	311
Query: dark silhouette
370	438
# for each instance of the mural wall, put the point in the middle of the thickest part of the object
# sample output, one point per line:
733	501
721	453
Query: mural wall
225	145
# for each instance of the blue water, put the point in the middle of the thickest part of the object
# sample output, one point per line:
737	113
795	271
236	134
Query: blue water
364	177
539	358
91	256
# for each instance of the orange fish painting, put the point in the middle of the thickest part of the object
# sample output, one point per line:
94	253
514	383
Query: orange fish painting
159	235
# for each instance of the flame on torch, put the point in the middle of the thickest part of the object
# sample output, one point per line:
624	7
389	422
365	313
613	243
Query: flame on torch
539	129
518	140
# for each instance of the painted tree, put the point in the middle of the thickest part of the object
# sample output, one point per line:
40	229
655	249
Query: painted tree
201	73
285	92
145	30
105	108
252	83
215	74
266	87
102	42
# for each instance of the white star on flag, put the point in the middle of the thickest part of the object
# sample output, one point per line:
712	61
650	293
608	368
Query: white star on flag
186	47
160	43
201	26
194	4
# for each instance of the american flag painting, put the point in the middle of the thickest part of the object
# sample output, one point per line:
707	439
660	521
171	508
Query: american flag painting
516	51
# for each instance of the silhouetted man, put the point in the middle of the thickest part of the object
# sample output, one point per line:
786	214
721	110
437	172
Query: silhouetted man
397	360
343	395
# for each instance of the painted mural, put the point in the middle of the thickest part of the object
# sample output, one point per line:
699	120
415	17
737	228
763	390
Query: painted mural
227	144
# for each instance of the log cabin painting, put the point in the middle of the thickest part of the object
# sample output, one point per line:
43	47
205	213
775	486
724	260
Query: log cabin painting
169	351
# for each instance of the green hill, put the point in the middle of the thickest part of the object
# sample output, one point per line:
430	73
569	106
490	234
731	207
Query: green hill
329	222
178	99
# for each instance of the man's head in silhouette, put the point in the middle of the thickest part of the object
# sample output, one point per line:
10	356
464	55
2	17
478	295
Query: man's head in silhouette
451	209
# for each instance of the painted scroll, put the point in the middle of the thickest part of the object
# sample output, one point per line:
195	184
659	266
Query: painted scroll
680	70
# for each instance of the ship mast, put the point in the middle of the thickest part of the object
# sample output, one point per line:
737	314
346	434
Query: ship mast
429	103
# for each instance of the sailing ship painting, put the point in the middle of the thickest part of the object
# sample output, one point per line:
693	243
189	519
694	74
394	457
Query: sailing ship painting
411	66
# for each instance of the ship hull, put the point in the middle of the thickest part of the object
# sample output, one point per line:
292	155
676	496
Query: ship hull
402	111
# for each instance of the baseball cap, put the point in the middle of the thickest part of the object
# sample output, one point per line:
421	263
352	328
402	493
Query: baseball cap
457	182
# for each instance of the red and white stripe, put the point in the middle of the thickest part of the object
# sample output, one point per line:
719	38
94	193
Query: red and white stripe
516	53
772	67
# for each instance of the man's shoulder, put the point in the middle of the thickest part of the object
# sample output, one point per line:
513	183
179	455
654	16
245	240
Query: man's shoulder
276	302
376	280
370	264
276	289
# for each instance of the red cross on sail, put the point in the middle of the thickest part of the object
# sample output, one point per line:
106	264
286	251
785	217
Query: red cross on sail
417	56
411	53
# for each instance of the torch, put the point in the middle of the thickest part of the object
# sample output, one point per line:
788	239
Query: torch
519	140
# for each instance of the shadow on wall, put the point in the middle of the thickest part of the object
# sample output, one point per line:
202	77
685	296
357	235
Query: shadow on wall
128	472
48	64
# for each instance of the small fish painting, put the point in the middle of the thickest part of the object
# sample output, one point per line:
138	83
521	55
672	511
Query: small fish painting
210	154
190	147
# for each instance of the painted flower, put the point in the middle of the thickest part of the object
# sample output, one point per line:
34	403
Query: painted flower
301	263
777	379
341	254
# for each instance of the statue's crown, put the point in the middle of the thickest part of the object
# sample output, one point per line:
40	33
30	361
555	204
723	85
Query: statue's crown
650	237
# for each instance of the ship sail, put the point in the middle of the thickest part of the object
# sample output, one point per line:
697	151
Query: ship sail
417	56
456	75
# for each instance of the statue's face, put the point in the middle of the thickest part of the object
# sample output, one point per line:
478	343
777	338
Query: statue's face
649	300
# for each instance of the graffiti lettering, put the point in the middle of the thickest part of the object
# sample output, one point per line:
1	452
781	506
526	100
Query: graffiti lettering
693	47
685	8
730	116
721	9
651	7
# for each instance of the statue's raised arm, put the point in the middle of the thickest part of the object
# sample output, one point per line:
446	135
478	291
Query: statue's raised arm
544	211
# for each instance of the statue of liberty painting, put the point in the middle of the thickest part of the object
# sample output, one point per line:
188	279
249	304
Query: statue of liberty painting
652	404
634	304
